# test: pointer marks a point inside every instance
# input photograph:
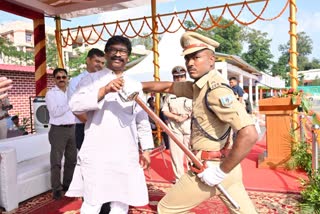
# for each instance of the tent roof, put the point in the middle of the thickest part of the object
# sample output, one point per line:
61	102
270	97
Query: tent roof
169	57
69	8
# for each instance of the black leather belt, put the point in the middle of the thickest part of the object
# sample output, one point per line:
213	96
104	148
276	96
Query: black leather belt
65	125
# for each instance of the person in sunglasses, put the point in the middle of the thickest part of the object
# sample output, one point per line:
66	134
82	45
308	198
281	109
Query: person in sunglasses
61	134
110	168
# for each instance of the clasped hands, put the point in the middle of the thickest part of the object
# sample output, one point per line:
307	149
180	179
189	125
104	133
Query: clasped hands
212	175
179	118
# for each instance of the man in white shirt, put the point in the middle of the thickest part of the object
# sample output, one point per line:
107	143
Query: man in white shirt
61	133
110	168
95	62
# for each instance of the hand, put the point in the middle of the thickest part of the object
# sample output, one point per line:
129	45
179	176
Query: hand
5	85
181	118
130	89
114	85
212	176
145	159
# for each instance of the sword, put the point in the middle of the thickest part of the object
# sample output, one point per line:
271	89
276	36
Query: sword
191	156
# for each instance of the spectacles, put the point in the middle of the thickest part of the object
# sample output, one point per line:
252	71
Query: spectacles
122	52
61	77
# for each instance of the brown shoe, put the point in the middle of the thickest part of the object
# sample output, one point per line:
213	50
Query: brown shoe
57	194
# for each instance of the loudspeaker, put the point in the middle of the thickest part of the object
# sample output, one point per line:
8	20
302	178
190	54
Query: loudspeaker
41	115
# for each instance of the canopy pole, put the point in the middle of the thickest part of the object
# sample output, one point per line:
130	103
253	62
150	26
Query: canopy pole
156	60
40	56
293	56
58	41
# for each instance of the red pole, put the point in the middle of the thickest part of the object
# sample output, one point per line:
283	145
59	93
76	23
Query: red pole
40	56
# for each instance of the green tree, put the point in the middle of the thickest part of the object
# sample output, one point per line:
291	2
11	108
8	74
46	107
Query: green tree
304	48
51	52
315	63
230	38
147	42
258	54
77	64
13	54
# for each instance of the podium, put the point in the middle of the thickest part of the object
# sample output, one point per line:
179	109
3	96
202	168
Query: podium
278	111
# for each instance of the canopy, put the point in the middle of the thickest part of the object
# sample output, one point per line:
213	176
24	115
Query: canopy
169	56
74	8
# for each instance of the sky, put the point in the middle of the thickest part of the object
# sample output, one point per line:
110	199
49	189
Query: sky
308	18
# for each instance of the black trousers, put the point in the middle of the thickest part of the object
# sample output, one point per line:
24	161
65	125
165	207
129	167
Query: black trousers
105	209
79	134
62	142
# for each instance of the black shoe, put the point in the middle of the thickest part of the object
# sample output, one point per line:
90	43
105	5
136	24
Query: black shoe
105	209
65	188
57	194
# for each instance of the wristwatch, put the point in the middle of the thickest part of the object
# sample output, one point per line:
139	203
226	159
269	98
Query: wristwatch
147	150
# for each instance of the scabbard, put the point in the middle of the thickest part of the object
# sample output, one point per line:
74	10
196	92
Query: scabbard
190	155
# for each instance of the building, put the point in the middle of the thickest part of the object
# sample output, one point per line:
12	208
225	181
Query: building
308	76
250	79
20	33
23	90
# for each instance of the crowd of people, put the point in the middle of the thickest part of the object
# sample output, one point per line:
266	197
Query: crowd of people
106	141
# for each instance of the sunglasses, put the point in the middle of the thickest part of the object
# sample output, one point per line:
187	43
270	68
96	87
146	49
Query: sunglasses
61	77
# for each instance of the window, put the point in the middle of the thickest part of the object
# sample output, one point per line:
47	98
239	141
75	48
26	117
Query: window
28	37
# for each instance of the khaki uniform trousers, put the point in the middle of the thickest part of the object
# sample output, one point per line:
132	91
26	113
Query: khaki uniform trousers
177	155
190	192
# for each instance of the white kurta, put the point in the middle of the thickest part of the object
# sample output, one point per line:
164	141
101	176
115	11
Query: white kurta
108	163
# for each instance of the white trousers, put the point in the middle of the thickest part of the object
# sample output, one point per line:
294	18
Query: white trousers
116	208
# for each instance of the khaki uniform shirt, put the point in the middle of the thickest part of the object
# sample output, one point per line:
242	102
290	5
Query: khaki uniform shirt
178	106
228	111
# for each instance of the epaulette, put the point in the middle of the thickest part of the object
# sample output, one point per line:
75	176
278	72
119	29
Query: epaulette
214	85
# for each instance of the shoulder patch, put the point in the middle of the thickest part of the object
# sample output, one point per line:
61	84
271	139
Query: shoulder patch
226	101
214	85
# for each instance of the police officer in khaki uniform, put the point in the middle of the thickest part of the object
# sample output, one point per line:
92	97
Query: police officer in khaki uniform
215	112
178	111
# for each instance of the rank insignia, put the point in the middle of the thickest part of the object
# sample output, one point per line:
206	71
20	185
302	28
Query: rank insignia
226	101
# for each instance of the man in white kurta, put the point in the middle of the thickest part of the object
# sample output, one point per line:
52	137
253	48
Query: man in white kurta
109	167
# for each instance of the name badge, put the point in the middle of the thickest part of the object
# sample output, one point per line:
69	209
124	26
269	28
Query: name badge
227	100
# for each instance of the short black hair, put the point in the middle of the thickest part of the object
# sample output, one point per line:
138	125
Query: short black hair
95	52
55	71
14	117
233	78
118	40
150	99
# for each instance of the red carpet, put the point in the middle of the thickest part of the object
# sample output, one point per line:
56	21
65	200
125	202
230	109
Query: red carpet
266	180
272	191
266	203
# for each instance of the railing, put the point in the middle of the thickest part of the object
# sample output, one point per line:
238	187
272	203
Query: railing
315	147
315	130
